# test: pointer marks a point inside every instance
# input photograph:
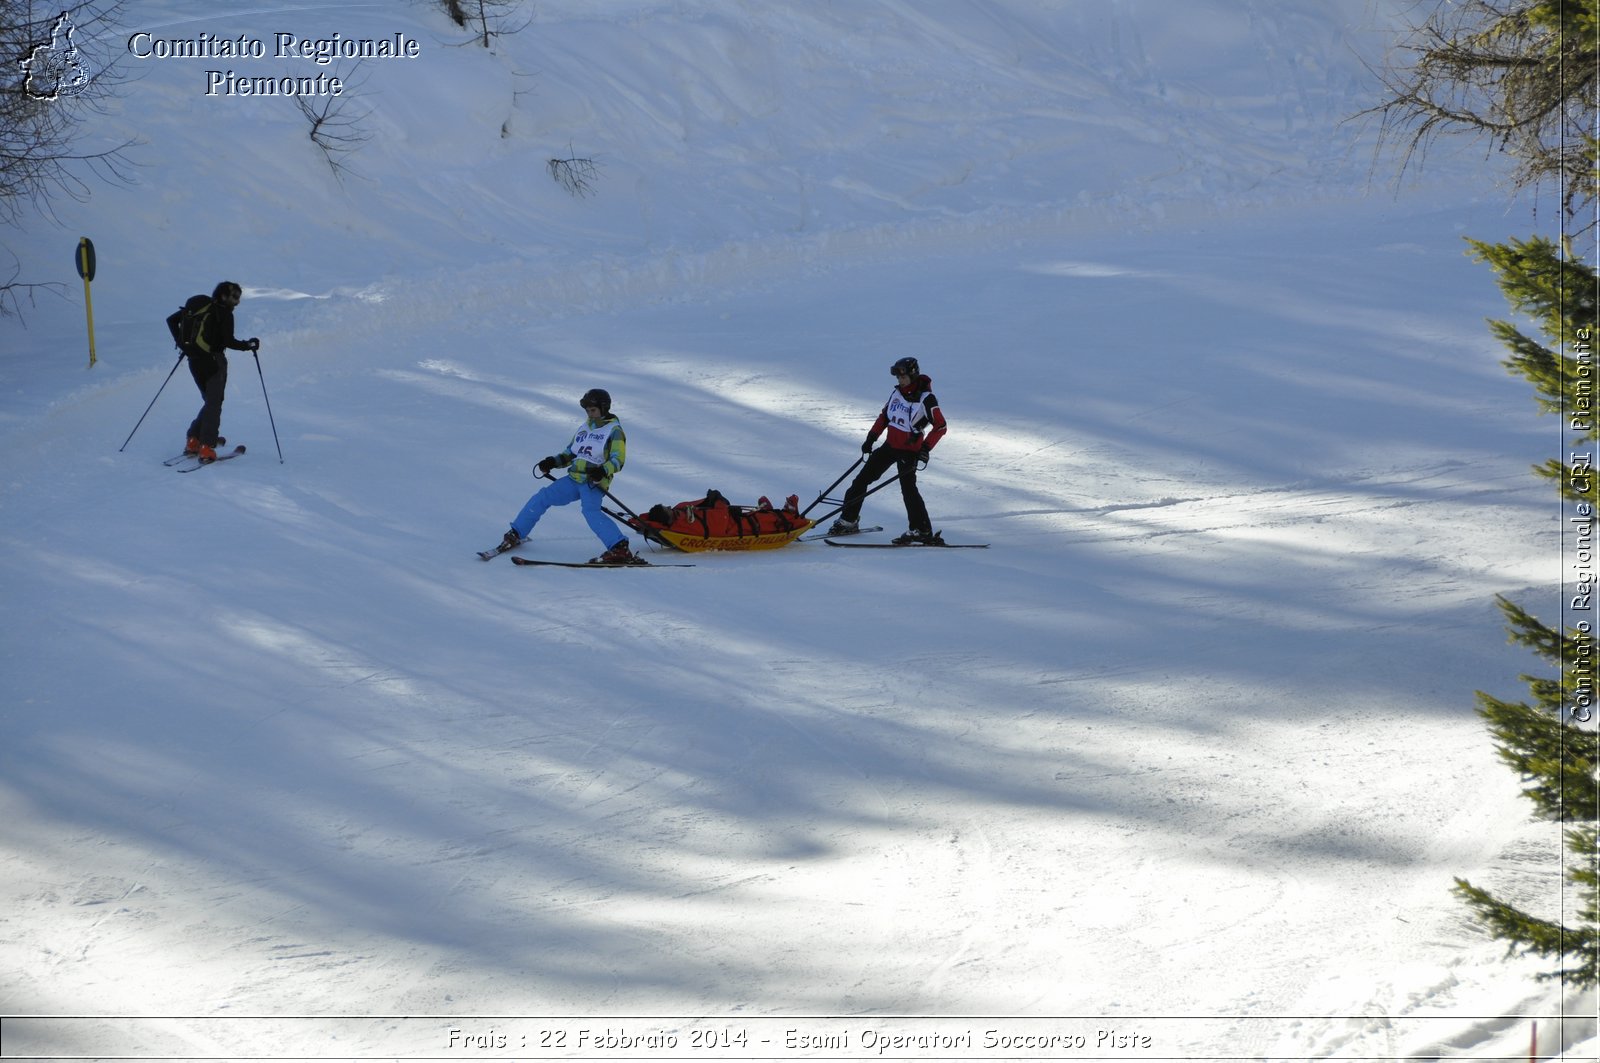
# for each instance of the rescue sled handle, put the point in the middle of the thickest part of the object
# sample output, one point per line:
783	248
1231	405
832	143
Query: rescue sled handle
821	496
620	504
824	493
839	507
546	474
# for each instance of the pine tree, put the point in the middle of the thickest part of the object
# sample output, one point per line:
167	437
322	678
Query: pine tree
1559	293
1552	743
1524	74
1558	761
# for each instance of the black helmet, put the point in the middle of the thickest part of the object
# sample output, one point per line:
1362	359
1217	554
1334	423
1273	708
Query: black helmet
596	397
908	366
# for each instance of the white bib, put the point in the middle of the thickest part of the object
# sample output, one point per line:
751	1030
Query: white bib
591	444
904	414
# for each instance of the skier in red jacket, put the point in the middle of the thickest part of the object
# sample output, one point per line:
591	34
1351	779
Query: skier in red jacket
914	423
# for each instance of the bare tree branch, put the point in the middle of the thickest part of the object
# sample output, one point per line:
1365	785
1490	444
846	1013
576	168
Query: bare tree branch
52	78
14	293
576	175
40	120
483	17
334	129
1519	74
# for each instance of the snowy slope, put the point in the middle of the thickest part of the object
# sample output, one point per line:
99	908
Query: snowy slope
1189	750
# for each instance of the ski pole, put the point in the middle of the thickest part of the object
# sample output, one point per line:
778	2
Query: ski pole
268	401
830	487
147	409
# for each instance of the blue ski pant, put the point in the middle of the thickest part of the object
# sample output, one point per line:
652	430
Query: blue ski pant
564	492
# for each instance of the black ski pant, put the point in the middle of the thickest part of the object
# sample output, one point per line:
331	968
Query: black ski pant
210	372
877	464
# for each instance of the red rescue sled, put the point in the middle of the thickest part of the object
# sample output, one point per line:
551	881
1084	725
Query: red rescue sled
712	523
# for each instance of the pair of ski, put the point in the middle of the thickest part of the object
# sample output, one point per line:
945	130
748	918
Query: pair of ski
936	542
188	462
831	538
638	562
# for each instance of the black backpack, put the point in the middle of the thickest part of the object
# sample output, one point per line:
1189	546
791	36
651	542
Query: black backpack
185	325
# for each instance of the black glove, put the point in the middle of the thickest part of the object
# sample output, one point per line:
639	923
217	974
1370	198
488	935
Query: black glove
595	473
866	448
544	466
253	343
922	458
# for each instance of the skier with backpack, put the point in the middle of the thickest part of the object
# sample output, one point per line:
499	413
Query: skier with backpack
595	454
203	330
915	423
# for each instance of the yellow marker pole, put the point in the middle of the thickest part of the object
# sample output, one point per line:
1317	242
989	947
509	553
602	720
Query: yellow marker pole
85	261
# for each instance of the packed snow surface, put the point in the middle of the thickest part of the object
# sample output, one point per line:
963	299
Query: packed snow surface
1183	765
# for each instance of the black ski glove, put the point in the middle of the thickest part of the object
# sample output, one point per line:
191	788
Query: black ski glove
866	448
922	458
544	466
253	343
595	473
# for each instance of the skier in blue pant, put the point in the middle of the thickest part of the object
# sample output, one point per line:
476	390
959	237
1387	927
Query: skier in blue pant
596	454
